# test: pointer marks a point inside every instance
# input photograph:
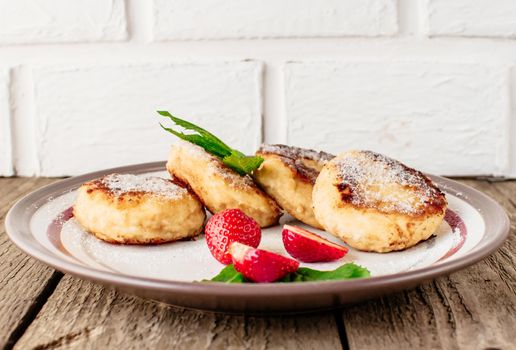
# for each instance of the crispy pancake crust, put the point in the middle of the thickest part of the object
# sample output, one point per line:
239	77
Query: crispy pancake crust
218	186
116	212
375	203
288	175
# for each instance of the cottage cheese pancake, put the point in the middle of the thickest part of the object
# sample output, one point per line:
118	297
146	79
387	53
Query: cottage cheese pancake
288	175
131	209
218	186
375	203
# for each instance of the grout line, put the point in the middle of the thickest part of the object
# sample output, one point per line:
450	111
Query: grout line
23	123
512	123
283	103
261	89
139	20
401	48
33	310
424	19
409	18
275	124
6	132
341	328
503	153
12	121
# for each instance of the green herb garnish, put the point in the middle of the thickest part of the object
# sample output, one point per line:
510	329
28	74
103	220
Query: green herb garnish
229	275
232	158
344	272
303	274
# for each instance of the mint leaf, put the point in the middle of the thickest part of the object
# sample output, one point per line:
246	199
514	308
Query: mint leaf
303	274
232	158
201	137
346	271
241	163
229	275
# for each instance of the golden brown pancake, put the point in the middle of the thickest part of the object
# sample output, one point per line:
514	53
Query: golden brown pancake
375	203
130	209
218	186
288	175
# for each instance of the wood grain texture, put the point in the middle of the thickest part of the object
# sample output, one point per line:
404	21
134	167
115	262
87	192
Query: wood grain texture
471	309
83	315
22	279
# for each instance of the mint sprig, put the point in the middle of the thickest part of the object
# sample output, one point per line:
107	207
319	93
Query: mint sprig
232	158
304	274
228	275
344	272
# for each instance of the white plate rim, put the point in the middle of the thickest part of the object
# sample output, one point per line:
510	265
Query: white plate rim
17	228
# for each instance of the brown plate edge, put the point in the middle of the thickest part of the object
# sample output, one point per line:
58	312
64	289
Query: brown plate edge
257	298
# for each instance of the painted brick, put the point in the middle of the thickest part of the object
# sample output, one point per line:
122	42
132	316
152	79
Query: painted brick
512	130
6	168
200	19
449	119
49	21
103	116
484	18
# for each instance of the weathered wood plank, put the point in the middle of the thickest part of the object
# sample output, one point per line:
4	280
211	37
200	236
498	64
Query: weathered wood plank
81	315
471	309
504	261
22	280
474	308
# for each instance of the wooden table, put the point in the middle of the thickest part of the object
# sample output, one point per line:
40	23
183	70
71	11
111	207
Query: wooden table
41	308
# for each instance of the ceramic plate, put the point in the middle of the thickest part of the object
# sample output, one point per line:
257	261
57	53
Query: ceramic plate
41	224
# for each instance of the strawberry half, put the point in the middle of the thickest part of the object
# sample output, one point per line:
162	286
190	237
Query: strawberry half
260	265
309	247
228	226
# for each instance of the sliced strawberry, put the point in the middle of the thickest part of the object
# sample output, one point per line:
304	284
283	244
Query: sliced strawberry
230	225
309	247
259	265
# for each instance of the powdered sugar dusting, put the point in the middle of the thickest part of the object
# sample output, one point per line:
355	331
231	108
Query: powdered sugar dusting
119	184
305	162
231	177
216	166
369	179
193	150
296	152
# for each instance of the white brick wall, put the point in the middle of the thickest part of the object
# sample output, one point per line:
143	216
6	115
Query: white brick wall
5	125
202	19
441	118
481	18
80	81
106	114
33	21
